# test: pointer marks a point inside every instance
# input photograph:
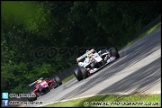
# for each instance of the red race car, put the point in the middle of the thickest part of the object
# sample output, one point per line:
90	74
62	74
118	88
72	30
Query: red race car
43	86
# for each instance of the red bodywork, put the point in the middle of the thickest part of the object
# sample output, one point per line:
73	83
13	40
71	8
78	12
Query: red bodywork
43	83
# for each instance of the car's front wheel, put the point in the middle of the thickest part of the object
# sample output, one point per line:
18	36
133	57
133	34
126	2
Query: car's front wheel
77	73
84	72
33	97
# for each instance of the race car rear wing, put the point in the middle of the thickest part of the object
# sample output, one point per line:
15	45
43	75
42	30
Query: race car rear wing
84	55
35	82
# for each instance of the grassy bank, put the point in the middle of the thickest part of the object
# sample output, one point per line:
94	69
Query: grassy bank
145	33
134	100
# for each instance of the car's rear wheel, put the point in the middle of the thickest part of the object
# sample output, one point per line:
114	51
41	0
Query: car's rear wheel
58	80
114	52
77	73
117	55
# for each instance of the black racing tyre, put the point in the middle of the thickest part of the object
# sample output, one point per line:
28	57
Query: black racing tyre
113	51
117	55
77	73
58	81
84	72
48	89
32	98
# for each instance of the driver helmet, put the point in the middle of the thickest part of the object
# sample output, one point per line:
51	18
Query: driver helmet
86	52
39	81
89	55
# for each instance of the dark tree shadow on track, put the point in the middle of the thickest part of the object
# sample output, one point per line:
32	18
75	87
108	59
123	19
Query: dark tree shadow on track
140	80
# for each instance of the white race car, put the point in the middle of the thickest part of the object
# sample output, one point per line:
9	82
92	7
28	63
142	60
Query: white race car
92	61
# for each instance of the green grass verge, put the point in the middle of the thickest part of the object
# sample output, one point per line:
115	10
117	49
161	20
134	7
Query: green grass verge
145	33
134	100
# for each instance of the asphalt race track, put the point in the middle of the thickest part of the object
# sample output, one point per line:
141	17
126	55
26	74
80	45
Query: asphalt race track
138	70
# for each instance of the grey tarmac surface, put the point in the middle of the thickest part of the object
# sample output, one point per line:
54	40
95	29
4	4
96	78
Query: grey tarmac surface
138	70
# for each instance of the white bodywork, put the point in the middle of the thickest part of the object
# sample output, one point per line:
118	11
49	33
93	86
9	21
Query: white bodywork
89	60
